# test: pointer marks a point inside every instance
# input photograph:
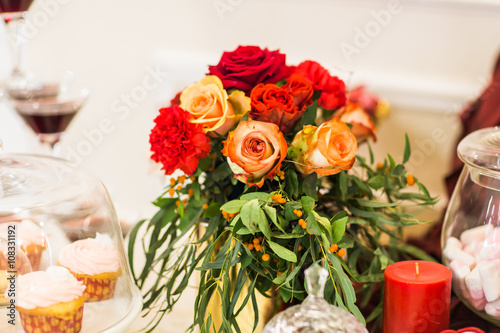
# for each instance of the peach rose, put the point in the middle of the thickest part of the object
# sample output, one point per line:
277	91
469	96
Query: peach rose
255	151
211	107
325	150
362	125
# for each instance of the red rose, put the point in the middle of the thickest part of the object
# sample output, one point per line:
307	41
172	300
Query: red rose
274	104
332	88
176	100
248	66
177	143
301	91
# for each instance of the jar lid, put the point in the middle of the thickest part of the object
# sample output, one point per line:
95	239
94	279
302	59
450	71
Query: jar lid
481	150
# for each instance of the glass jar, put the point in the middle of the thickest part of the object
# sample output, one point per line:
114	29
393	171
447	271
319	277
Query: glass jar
471	230
53	213
315	314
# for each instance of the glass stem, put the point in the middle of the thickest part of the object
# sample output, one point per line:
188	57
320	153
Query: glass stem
18	44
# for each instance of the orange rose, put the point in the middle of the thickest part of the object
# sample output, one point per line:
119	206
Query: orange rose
210	106
325	150
301	90
255	151
362	125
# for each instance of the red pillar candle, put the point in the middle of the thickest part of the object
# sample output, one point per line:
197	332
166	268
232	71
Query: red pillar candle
416	297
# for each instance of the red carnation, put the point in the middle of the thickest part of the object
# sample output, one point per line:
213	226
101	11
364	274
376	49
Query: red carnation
332	88
247	66
176	143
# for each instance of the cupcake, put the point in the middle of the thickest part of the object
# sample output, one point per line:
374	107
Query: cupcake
30	238
95	262
50	301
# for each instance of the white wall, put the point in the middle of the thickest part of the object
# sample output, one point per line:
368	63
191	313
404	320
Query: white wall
426	59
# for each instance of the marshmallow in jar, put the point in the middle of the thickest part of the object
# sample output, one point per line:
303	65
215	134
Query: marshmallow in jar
471	230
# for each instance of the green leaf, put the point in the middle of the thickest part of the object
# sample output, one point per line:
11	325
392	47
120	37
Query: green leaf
392	163
292	183
346	242
372	159
180	208
309	184
407	149
263	223
376	182
253	217
374	204
343	184
196	190
308	203
212	210
289	208
309	117
312	225
338	227
263	196
399	170
233	206
271	213
282	252
280	279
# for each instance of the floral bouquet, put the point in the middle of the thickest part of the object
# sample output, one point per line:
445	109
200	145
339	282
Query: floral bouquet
269	189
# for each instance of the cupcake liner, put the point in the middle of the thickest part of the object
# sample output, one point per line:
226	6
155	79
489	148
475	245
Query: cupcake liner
43	321
98	289
34	254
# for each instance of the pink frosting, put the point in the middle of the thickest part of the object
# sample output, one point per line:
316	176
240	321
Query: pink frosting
46	288
91	256
27	232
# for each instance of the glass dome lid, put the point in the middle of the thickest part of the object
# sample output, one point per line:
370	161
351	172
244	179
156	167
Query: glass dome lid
481	149
66	232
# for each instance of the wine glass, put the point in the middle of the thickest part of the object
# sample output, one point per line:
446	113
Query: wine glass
20	84
49	117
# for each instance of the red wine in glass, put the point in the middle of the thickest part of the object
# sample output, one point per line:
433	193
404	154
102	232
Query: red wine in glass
48	123
49	117
12	9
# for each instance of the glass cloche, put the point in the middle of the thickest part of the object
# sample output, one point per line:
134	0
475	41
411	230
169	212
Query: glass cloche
315	314
62	245
471	230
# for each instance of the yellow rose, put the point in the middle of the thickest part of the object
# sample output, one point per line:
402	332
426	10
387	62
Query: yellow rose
326	149
207	101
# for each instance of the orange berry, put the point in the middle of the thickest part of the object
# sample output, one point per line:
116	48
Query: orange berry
171	192
205	205
279	274
282	177
256	241
277	261
181	179
231	215
192	178
266	257
310	233
177	203
190	192
225	214
260	238
341	253
380	165
304	225
333	248
179	188
410	180
297	212
184	202
258	247
301	222
300	247
172	182
250	246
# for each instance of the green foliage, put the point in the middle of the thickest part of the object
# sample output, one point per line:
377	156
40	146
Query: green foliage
352	209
